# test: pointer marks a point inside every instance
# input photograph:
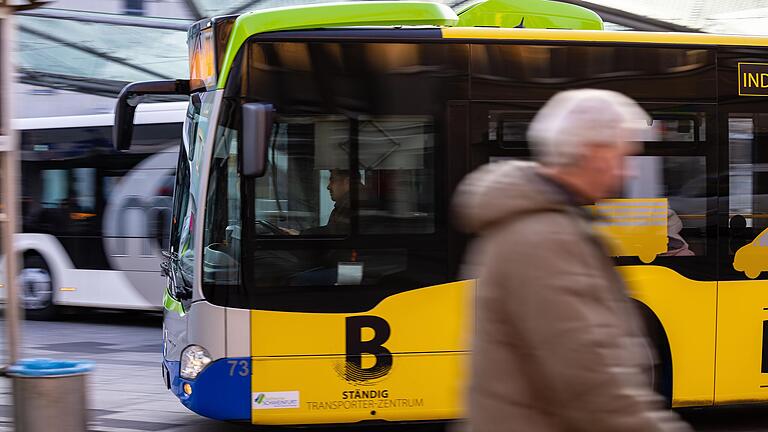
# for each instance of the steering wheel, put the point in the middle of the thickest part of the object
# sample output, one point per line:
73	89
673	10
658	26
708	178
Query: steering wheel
274	229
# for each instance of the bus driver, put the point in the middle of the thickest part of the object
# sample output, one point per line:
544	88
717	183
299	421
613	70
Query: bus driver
338	221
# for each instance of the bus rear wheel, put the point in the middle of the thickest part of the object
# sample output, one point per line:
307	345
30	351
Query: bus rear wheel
36	289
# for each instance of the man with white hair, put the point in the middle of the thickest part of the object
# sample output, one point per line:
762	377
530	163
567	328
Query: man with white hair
558	346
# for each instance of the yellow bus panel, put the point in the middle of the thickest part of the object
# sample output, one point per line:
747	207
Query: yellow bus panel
406	358
427	386
687	310
742	372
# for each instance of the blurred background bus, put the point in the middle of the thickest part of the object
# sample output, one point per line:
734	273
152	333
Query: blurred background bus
94	220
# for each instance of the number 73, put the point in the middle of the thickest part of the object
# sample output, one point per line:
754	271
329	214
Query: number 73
242	367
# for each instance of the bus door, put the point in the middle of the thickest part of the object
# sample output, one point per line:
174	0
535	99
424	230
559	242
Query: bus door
742	308
742	330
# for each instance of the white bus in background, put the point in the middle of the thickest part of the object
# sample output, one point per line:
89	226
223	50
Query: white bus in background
94	220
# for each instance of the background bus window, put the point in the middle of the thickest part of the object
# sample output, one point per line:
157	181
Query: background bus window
104	207
84	185
748	178
67	201
55	186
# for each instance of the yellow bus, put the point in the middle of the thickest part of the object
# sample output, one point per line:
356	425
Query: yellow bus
313	273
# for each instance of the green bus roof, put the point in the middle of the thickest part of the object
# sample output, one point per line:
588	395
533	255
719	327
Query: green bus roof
367	13
539	14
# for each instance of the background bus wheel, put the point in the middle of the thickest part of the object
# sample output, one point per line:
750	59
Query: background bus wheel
36	289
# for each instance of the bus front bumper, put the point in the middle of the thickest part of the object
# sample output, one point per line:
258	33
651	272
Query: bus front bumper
219	392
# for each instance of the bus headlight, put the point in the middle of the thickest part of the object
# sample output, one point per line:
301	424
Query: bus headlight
194	359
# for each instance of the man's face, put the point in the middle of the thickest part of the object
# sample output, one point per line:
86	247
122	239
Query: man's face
604	169
338	185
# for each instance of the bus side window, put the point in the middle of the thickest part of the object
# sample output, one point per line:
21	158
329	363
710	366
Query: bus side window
221	241
507	134
748	189
748	181
673	166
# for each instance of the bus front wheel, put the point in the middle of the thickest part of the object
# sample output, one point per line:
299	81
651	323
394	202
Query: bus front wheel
36	288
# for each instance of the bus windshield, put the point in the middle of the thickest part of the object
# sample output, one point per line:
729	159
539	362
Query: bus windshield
337	210
313	181
349	210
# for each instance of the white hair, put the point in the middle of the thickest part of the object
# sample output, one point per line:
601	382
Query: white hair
573	119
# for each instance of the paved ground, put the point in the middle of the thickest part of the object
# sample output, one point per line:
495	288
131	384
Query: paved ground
126	390
127	393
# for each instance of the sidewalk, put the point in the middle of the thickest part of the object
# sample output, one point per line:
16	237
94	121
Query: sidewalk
126	390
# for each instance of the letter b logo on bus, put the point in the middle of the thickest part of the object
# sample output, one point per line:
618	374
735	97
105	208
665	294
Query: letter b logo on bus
357	347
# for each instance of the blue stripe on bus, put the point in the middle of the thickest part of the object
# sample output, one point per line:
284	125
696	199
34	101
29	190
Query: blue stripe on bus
215	393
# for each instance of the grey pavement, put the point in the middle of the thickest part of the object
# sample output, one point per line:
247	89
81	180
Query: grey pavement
126	389
127	393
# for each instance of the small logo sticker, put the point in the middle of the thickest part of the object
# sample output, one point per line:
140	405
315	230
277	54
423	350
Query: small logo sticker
275	400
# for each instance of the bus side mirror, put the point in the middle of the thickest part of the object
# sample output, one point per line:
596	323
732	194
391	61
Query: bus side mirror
130	97
257	130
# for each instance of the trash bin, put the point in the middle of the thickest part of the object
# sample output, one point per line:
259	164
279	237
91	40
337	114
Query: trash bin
49	395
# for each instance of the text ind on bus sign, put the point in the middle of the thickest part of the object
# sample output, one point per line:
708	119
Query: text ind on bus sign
753	79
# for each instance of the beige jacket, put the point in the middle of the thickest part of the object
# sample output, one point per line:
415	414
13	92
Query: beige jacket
558	346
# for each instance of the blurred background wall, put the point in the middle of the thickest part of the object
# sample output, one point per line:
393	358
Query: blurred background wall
73	56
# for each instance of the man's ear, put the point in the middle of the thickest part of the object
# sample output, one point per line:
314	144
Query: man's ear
587	157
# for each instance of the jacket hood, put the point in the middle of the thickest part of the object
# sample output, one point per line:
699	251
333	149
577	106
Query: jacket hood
502	191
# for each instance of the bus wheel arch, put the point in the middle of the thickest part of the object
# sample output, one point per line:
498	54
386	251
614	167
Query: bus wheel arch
662	369
36	285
